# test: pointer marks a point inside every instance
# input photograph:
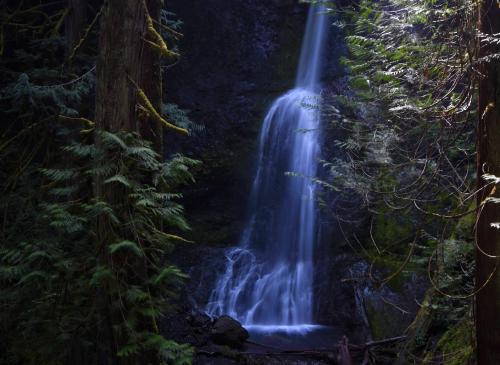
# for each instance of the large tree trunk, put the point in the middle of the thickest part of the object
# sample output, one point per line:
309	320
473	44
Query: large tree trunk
488	160
125	62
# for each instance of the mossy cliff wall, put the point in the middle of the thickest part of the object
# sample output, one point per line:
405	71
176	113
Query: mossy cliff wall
237	56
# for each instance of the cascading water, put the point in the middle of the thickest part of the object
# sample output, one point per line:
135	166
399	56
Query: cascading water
268	280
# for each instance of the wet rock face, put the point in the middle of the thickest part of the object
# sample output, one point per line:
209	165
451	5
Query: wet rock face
335	301
230	332
204	265
391	310
237	56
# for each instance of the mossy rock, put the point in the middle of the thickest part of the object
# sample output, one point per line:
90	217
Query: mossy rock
389	264
418	332
455	347
389	228
385	319
465	226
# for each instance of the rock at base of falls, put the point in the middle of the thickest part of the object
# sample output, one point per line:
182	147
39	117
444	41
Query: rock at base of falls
228	331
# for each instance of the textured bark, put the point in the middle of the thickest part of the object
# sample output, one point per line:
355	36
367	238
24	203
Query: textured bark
76	20
150	81
488	161
125	63
125	59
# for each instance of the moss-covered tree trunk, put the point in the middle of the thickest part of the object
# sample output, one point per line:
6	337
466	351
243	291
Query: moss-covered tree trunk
150	81
126	62
127	66
488	160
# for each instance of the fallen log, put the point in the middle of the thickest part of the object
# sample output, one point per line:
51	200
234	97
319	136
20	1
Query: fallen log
343	353
351	347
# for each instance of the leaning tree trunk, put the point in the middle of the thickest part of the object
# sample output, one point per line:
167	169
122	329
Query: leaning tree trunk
488	162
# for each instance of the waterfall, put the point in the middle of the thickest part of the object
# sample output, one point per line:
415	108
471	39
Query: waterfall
268	280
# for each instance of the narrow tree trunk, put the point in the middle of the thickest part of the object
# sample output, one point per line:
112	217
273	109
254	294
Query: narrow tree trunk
488	160
76	20
151	82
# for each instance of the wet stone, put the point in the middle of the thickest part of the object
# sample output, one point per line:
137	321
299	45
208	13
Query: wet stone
228	331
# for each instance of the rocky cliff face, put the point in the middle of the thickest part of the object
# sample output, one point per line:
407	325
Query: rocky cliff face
237	56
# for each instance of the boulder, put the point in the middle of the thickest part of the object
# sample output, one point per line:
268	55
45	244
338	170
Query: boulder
228	331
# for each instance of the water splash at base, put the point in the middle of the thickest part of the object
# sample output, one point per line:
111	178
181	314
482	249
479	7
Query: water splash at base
268	281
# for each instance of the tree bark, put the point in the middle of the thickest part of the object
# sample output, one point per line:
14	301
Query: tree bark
488	162
151	83
125	62
76	20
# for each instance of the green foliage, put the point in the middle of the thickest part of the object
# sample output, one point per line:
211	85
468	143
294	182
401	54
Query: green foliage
52	269
406	131
404	154
84	271
180	118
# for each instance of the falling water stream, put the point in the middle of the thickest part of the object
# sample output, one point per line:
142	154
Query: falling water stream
268	281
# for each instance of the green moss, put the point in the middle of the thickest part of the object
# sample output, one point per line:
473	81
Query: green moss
392	234
418	332
455	347
388	265
381	318
376	320
390	228
465	226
